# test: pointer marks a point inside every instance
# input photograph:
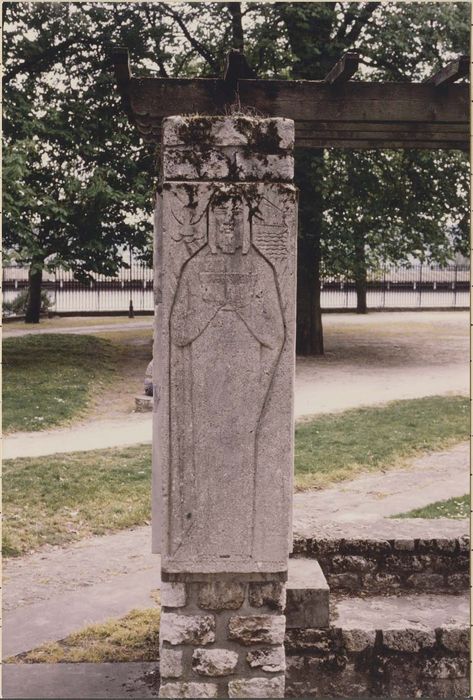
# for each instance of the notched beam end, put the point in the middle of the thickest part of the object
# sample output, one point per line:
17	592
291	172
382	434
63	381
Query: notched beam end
343	69
453	71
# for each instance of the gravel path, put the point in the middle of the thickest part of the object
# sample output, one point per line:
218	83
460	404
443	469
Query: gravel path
369	360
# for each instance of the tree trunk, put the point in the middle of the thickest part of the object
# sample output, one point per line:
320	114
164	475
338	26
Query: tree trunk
360	274
309	337
35	279
237	28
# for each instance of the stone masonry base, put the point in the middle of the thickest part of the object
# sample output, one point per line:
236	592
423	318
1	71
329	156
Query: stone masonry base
222	635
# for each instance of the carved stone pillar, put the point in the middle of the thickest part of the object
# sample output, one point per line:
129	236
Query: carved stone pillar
224	372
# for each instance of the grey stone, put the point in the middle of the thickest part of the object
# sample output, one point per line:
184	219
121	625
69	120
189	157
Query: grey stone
188	690
214	662
352	563
358	640
426	582
148	383
173	594
257	688
270	660
307	595
404	545
257	629
347	580
264	167
458	581
272	594
221	595
408	640
170	663
143	404
317	640
456	639
446	545
225	315
187	629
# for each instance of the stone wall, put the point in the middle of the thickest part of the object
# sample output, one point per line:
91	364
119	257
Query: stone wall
397	663
222	636
386	566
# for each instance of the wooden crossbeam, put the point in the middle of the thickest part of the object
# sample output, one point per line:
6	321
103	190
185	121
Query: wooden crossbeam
343	69
451	72
355	115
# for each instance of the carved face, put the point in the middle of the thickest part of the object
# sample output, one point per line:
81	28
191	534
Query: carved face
229	233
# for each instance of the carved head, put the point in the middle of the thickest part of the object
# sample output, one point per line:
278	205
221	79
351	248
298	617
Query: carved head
229	229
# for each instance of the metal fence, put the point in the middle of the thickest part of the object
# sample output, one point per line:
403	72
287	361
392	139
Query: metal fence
419	286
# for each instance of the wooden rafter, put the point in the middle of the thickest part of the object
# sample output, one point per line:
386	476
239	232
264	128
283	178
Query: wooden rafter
343	69
354	115
452	72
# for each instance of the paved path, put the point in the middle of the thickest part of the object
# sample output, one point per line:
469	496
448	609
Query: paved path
81	330
369	360
49	594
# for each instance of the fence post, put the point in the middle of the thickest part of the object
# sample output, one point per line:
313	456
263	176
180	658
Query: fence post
420	287
455	287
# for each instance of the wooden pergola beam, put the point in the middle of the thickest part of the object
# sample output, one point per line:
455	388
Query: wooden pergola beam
343	69
354	115
451	72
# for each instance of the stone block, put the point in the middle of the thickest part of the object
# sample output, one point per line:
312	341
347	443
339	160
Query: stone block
188	690
270	660
381	581
458	581
426	582
270	594
173	594
448	546
348	580
221	595
258	166
356	640
307	595
404	545
214	662
408	640
193	163
143	404
464	544
354	563
257	688
187	629
257	629
456	639
365	546
170	663
228	250
319	641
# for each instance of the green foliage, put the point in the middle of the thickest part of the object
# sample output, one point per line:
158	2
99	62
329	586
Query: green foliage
17	306
48	379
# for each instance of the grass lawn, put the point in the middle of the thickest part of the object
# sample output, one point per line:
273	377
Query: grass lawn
456	508
48	379
65	497
134	637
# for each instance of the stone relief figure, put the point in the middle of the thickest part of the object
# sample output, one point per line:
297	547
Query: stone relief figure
226	332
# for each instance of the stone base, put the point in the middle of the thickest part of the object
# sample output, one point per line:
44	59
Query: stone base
307	595
222	636
143	403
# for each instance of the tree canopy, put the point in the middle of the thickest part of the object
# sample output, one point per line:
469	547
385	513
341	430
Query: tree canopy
78	184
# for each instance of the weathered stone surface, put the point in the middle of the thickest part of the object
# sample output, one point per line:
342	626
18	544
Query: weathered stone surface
264	167
273	595
187	629
381	581
188	690
464	544
446	545
352	563
358	640
404	545
348	580
458	581
270	660
257	688
225	291
319	641
408	640
214	662
173	594
426	582
170	663
257	629
264	135
456	639
307	595
221	595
